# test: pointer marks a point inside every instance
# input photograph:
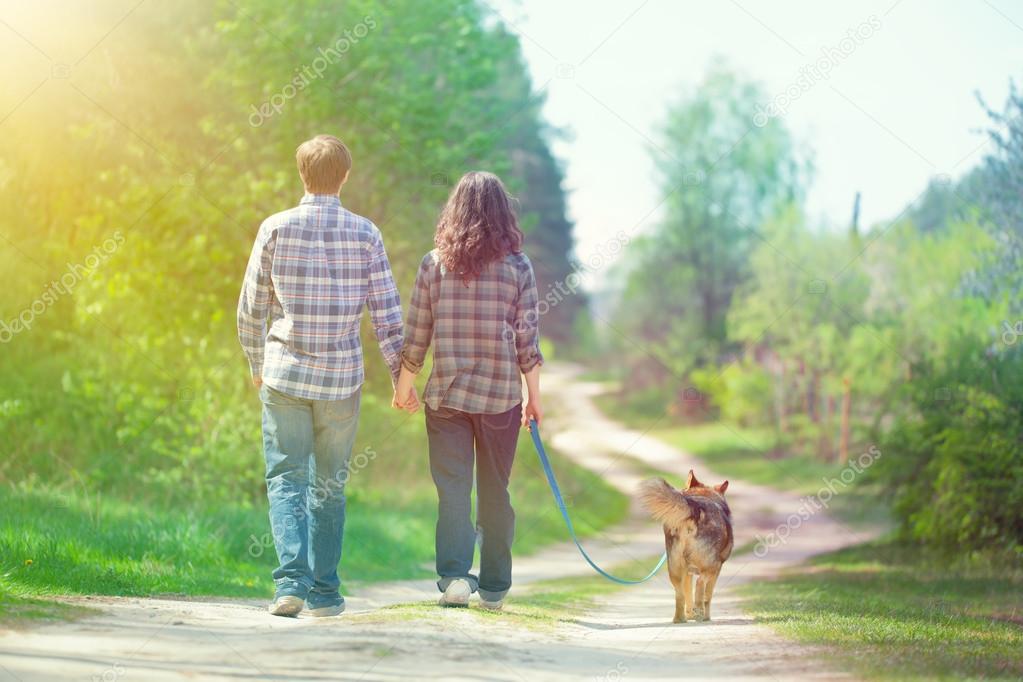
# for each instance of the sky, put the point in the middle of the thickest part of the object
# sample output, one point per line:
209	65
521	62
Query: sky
897	107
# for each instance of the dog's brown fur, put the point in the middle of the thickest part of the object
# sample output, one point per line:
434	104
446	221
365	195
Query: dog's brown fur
697	537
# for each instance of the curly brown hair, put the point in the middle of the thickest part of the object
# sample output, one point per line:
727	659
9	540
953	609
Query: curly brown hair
477	226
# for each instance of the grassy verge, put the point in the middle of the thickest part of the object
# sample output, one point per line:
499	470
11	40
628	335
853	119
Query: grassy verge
892	612
18	610
60	540
541	605
746	454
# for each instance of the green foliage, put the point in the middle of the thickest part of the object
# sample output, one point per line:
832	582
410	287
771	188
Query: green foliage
958	476
835	341
146	178
993	194
721	177
134	380
743	391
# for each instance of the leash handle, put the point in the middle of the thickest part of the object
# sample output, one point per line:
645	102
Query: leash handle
534	432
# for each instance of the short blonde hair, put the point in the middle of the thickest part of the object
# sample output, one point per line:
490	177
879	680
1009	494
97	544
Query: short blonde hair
323	163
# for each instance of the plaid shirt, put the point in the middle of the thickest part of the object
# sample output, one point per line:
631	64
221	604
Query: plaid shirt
312	271
484	333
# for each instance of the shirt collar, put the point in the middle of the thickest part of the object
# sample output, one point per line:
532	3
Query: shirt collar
322	199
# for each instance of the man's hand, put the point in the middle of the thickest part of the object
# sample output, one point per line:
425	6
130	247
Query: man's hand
405	396
257	382
412	404
530	411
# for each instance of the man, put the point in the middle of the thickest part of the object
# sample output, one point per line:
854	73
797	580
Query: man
312	270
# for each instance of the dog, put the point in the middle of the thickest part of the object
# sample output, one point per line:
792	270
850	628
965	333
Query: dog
697	538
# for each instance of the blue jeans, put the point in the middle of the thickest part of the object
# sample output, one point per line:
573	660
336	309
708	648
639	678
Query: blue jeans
458	441
307	445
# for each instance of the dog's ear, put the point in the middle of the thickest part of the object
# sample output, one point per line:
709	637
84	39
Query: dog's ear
722	487
691	481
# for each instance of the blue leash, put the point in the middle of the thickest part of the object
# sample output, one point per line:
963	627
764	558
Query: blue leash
534	431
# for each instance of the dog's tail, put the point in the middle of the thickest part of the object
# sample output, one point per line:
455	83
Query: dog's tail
664	503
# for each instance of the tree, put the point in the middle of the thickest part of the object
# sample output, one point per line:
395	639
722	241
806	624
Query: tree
1001	194
721	176
536	179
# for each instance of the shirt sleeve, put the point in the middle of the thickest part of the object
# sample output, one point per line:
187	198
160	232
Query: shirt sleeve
527	321
384	306
419	323
254	302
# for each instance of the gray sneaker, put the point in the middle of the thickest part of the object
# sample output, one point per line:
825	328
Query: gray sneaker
491	605
327	611
288	605
457	593
320	605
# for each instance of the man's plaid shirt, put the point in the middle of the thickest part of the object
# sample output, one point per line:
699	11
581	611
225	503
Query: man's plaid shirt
484	333
313	270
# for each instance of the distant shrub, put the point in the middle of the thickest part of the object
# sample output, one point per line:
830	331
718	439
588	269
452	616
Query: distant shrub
742	391
955	458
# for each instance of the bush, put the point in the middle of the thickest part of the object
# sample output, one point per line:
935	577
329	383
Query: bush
955	458
743	392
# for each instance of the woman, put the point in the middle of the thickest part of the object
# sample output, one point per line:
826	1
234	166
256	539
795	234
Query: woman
475	298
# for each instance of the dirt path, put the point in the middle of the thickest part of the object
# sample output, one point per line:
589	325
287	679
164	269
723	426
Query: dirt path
627	636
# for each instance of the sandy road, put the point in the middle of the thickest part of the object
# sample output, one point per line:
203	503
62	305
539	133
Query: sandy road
626	636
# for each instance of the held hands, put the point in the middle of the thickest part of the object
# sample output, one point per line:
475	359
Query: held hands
405	396
410	403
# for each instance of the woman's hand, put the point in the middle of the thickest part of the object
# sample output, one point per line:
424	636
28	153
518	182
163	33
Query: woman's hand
405	396
530	411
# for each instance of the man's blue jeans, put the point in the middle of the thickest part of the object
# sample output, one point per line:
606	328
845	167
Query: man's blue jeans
308	444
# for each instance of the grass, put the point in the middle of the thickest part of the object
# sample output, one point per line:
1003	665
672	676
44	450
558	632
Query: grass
542	605
892	612
17	611
59	540
750	454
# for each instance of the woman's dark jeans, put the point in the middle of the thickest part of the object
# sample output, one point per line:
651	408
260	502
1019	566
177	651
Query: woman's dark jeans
457	441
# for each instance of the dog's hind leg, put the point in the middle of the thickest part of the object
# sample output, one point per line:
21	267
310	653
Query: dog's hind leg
687	593
708	592
701	586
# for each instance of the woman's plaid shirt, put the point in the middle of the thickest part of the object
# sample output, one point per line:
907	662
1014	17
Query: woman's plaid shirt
313	270
484	333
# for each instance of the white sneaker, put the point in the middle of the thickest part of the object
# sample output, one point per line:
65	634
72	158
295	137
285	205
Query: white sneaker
289	606
491	605
457	593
